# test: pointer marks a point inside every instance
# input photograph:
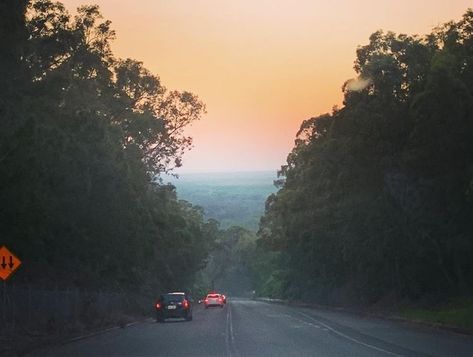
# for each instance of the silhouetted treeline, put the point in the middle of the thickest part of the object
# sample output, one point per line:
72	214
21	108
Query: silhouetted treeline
83	137
376	198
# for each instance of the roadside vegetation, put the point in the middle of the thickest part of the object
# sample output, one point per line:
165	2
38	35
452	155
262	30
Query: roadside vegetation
375	202
83	137
456	314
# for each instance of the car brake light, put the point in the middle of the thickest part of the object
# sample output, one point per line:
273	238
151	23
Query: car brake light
158	305
185	303
206	301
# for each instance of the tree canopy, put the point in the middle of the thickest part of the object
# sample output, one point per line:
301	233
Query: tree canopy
376	197
85	137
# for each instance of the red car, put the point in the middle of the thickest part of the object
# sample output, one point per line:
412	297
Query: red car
213	300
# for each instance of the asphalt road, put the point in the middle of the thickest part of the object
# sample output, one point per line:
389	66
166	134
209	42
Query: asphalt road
252	328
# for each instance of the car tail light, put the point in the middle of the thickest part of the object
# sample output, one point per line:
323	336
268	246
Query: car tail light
206	301
185	303
158	305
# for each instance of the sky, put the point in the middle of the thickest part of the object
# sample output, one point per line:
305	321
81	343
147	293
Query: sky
260	66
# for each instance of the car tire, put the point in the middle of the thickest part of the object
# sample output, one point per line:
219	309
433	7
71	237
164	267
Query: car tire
189	318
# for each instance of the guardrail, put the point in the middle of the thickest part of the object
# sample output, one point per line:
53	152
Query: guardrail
28	310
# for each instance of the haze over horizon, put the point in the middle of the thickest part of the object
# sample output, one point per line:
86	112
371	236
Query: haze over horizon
260	67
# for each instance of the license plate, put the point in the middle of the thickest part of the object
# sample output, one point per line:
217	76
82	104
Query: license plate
171	307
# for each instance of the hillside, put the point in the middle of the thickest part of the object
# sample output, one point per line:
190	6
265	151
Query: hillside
232	198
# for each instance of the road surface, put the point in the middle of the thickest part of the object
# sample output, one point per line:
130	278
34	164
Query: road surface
253	328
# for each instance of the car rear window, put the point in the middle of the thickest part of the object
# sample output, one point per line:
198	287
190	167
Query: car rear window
213	296
172	297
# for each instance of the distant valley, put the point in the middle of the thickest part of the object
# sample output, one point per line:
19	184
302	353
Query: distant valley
232	198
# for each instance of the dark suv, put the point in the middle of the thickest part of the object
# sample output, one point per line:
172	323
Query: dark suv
173	305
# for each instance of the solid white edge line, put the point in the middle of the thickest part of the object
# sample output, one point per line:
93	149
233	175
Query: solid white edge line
89	335
348	337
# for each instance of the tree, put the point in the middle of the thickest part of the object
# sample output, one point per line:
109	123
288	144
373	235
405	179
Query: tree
375	197
86	136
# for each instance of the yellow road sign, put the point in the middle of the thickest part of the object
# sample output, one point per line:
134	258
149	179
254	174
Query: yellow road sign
8	263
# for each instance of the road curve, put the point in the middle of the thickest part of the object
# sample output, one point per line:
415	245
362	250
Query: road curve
253	328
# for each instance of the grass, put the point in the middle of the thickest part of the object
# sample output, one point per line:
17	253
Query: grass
458	313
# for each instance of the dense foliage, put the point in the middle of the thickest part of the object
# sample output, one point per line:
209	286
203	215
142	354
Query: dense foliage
83	137
234	265
376	197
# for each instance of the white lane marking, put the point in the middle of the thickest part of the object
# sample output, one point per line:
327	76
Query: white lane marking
232	335
227	334
327	327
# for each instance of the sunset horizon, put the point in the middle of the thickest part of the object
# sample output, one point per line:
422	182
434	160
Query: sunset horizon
261	69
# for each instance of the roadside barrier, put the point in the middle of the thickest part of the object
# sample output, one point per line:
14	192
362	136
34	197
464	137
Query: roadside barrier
30	311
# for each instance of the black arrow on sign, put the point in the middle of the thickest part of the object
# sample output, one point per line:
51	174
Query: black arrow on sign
3	262
11	264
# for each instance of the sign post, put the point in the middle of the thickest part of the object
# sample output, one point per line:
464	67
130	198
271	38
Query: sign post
9	263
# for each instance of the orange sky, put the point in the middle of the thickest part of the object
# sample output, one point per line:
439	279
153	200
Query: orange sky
261	66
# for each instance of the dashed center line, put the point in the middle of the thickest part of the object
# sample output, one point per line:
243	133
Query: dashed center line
229	335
